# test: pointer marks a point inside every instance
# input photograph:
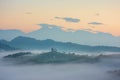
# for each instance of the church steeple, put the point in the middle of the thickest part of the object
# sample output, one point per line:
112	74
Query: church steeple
53	50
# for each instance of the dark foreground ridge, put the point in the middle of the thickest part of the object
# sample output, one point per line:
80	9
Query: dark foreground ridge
49	57
17	55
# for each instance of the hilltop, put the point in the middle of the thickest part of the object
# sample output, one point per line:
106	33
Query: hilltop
27	43
49	57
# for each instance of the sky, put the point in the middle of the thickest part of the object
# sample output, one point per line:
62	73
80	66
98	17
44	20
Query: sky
96	15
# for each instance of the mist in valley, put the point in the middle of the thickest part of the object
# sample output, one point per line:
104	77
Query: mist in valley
67	71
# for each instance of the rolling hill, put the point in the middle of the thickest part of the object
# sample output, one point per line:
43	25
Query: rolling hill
27	43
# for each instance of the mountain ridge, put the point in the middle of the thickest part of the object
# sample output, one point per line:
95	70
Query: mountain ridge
5	47
34	44
54	32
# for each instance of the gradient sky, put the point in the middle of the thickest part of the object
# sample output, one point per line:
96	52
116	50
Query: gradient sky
96	15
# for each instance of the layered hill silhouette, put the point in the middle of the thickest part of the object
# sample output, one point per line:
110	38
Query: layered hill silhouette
27	43
5	47
54	32
10	34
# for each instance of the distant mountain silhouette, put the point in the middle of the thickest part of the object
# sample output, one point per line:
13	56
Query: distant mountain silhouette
54	32
10	34
4	47
84	37
32	44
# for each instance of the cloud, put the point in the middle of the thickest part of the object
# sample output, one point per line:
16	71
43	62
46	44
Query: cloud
72	20
68	19
43	25
97	14
58	17
28	12
96	23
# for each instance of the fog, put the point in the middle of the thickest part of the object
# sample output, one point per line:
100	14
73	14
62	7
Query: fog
81	71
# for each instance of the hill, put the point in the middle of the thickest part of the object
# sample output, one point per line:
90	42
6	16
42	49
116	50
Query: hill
49	57
27	43
10	34
4	47
54	32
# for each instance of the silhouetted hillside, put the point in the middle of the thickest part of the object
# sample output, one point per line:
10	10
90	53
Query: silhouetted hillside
17	55
31	44
4	47
54	32
49	57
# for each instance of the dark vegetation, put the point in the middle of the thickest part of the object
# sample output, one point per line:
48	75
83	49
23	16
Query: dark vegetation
50	57
17	55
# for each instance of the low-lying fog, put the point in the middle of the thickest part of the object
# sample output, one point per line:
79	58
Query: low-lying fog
81	71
